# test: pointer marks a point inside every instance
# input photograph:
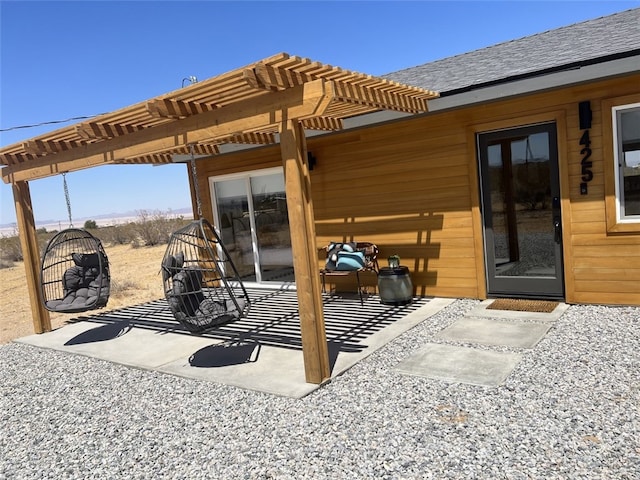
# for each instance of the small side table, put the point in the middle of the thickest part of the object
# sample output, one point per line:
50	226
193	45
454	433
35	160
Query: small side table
394	286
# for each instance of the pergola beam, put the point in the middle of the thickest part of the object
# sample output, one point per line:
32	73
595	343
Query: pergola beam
308	100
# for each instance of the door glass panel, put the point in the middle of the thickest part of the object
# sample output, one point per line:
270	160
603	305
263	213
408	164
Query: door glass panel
272	228
498	205
235	224
629	122
252	218
521	211
523	222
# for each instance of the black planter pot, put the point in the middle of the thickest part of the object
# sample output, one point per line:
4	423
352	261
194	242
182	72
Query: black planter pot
394	286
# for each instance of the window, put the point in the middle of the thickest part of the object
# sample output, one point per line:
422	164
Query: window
621	155
626	139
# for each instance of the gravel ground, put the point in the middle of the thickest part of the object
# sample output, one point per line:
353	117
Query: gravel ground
570	410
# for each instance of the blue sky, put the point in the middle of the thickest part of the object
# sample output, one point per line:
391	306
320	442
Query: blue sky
60	60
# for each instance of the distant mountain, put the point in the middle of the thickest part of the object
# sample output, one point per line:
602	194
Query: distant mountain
136	213
186	211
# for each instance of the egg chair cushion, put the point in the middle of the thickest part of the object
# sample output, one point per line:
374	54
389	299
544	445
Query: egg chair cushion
83	287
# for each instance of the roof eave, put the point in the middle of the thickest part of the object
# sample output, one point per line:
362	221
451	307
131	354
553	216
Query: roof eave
537	81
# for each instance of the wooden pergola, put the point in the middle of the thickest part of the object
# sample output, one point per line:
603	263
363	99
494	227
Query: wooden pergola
281	96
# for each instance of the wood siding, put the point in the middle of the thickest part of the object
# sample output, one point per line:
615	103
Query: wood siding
411	187
404	186
604	266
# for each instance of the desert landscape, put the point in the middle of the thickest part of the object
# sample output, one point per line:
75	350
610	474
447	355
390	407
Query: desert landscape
135	278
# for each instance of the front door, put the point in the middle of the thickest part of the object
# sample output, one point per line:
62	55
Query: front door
521	212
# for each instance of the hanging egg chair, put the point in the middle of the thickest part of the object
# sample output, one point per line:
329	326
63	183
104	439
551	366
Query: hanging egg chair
201	283
74	273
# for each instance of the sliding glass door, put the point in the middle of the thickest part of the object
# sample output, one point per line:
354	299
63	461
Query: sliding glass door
250	214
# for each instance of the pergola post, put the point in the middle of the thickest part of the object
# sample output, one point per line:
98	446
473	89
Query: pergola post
305	255
31	255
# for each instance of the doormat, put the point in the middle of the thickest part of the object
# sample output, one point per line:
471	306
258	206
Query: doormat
522	305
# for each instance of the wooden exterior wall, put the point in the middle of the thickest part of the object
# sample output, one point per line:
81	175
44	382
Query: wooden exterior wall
412	187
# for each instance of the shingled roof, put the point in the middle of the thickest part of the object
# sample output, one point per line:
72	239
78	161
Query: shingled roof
580	44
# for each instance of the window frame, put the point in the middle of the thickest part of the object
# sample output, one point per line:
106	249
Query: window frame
612	171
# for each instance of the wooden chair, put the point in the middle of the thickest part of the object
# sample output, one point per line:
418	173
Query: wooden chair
370	252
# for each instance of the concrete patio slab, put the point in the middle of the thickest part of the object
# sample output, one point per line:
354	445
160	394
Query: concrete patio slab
117	342
261	368
261	352
281	371
491	331
460	364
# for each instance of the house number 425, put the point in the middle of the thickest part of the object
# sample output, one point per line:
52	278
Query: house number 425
585	141
586	164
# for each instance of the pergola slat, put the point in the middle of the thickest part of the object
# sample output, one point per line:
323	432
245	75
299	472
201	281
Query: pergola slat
104	131
167	108
41	147
323	123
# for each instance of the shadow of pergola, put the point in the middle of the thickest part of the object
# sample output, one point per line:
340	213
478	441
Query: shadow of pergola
273	320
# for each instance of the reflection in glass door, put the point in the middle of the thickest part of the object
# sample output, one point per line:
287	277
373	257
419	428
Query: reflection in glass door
521	212
250	213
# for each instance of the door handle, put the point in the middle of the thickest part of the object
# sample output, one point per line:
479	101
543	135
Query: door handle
557	230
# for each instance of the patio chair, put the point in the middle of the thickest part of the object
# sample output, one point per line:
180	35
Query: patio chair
74	273
349	258
202	285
